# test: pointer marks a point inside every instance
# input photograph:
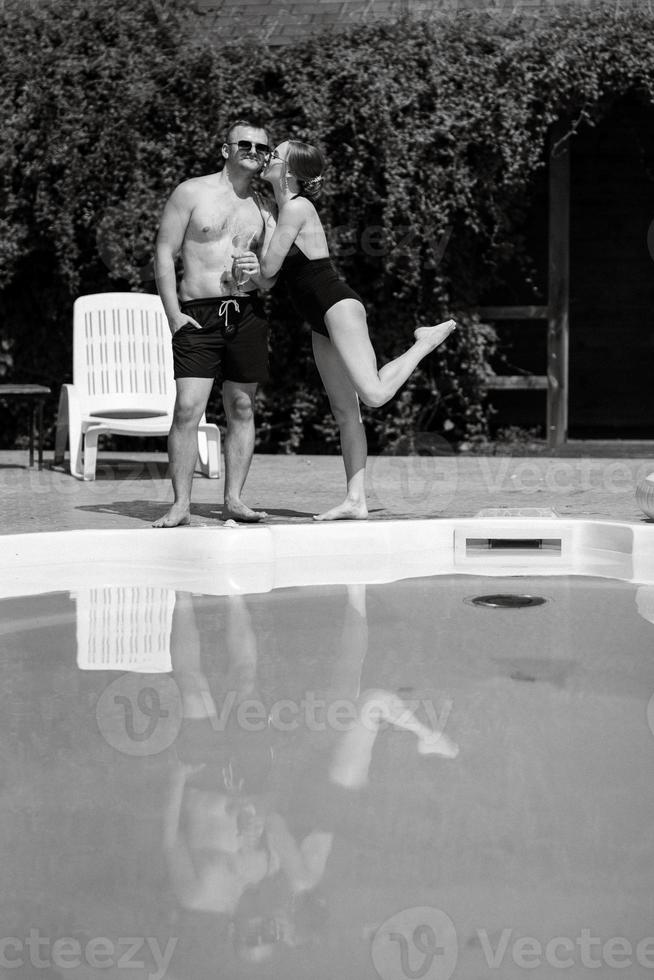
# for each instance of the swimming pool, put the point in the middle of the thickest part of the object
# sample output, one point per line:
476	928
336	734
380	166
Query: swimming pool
193	720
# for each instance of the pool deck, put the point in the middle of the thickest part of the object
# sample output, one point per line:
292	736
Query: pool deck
132	490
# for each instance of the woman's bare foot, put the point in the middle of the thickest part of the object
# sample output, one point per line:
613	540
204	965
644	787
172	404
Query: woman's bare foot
349	510
434	336
437	743
237	511
383	705
177	516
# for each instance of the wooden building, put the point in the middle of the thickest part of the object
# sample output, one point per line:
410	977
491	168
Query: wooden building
589	350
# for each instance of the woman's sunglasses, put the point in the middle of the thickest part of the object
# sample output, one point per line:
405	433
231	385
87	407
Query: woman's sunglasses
247	145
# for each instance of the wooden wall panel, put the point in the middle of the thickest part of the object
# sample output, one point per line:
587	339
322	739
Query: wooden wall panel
612	276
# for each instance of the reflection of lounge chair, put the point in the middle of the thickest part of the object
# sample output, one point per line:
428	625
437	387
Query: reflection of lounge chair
124	628
122	380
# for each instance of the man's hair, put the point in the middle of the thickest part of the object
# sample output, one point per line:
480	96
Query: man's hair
250	123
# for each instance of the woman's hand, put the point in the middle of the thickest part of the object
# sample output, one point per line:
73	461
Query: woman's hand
184	770
246	264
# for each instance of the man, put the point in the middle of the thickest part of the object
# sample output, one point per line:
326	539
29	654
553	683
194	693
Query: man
214	826
215	316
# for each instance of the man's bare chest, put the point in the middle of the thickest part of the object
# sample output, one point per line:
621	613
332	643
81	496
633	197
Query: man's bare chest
215	221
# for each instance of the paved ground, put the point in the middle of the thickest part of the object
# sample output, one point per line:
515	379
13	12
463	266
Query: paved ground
133	490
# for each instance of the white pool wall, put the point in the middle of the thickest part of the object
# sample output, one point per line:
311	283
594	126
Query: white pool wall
248	559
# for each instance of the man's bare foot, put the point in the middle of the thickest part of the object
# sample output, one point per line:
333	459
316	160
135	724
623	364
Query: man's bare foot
434	336
438	743
237	511
347	511
177	516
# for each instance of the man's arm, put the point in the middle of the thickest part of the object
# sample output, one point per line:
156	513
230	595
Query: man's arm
180	863
170	238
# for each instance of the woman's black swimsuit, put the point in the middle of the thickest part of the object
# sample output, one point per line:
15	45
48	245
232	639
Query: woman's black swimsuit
314	286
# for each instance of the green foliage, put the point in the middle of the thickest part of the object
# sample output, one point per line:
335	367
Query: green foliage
435	131
510	441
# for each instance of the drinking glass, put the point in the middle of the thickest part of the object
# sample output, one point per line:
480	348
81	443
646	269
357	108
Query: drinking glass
242	243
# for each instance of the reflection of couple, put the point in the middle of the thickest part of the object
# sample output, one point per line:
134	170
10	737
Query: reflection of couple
217	321
214	822
236	846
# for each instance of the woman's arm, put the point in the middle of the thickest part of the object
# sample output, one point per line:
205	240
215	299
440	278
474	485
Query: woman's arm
289	224
269	213
304	864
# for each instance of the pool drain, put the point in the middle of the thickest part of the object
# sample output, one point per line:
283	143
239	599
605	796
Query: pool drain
509	600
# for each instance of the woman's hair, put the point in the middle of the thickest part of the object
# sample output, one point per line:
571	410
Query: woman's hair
306	163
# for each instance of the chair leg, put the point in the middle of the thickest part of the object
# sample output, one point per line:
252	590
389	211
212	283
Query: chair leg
209	450
76	438
90	453
213	454
61	429
69	430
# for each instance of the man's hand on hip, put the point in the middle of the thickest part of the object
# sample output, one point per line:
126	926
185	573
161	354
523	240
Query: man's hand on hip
179	320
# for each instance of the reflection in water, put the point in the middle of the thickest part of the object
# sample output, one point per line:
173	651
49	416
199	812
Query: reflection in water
236	846
224	778
124	628
214	837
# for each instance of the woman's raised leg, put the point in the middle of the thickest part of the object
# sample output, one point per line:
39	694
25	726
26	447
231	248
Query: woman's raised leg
345	409
348	330
352	757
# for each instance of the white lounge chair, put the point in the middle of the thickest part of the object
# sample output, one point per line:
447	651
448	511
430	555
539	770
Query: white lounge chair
122	381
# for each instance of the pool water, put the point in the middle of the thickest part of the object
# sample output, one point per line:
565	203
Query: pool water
217	778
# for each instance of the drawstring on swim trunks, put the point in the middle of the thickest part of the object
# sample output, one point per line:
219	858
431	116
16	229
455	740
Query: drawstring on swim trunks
224	309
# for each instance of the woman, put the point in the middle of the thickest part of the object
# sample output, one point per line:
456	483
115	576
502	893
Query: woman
327	797
344	355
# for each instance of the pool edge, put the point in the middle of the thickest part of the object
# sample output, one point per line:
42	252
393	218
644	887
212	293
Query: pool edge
223	559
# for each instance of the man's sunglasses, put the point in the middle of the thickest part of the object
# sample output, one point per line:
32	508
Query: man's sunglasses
247	145
263	931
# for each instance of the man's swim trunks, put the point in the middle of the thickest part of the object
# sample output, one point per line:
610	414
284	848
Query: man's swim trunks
233	342
233	757
315	285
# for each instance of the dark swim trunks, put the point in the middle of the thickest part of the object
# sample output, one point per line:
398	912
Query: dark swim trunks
233	342
245	755
315	285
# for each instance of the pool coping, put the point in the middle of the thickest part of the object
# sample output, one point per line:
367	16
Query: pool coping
249	559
